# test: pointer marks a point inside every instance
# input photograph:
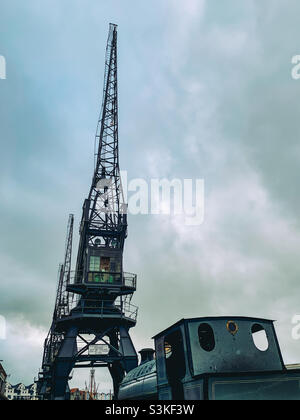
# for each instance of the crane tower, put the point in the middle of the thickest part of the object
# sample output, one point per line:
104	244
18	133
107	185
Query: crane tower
94	313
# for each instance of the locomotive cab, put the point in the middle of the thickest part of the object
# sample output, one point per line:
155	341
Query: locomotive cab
218	358
222	358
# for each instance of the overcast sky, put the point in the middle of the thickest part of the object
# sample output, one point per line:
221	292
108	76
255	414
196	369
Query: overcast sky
205	92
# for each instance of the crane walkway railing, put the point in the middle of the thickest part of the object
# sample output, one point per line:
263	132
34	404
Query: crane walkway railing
98	278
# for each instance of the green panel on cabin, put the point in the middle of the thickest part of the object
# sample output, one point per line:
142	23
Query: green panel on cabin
97	278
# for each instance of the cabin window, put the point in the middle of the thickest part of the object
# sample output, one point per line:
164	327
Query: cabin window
98	264
115	265
94	263
175	363
168	349
206	337
105	264
259	337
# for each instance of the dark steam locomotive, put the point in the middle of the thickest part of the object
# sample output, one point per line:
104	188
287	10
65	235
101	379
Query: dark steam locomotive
219	358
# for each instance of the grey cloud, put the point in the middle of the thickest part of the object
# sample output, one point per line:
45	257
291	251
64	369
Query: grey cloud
205	91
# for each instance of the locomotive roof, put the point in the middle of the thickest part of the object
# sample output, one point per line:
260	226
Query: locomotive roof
142	370
213	318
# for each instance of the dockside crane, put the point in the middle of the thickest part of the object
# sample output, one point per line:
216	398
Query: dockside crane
94	327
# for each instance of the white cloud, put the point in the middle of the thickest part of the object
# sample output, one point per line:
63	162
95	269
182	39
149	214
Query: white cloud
24	345
187	10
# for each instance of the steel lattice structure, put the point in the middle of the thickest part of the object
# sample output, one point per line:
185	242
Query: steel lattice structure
92	329
104	213
61	308
62	303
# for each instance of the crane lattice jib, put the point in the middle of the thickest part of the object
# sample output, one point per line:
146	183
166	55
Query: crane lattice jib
107	210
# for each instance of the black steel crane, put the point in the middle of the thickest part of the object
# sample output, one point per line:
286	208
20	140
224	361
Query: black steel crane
94	328
62	306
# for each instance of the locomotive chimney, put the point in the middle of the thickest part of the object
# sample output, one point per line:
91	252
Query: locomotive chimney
146	355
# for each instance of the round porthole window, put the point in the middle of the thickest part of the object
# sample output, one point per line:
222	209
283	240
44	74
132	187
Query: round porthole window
232	327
